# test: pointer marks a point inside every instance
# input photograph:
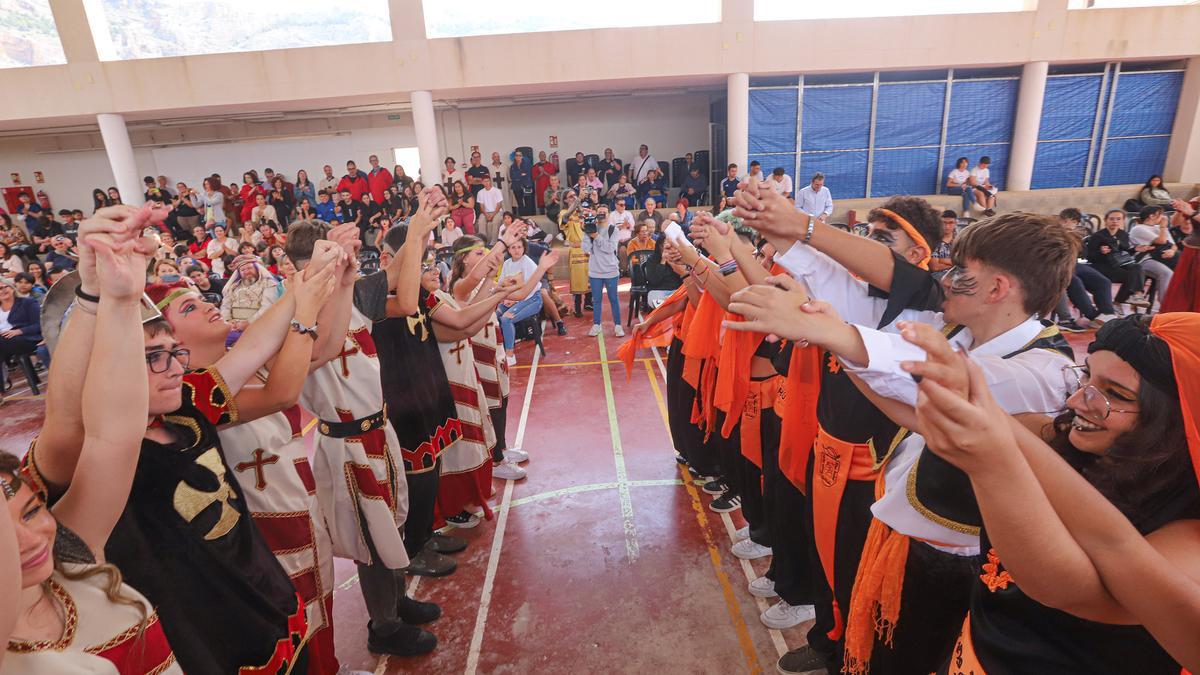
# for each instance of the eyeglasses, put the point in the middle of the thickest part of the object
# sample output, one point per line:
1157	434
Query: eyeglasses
159	360
1094	400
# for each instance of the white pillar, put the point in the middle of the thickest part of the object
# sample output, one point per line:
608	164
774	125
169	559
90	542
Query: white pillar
426	131
1183	155
737	122
1025	129
120	157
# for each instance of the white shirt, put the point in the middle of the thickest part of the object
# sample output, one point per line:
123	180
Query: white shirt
453	176
641	165
329	183
624	222
782	186
1144	235
490	199
4	324
959	176
817	203
525	267
981	176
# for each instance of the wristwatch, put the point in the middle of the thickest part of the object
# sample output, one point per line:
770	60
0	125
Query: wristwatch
305	330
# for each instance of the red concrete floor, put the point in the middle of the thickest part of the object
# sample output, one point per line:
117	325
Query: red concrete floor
607	558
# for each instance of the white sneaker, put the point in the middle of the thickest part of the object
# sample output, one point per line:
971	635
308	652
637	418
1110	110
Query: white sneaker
619	331
516	456
746	549
781	615
762	587
1105	318
741	534
595	330
506	470
511	359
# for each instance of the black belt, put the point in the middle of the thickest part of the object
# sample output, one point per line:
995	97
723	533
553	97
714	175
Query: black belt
353	427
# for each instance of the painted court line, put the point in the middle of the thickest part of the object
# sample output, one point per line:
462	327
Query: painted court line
631	543
714	555
489	579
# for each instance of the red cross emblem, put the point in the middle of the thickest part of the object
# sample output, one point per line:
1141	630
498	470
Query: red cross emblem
261	459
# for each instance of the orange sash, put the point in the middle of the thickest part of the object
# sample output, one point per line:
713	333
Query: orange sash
797	406
659	334
837	462
963	660
761	396
733	379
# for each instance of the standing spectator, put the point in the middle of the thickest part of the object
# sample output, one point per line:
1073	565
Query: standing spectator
187	209
552	197
521	175
162	185
1154	193
153	192
644	163
498	169
652	188
543	171
1111	254
354	181
114	196
29	209
462	207
959	179
601	244
475	173
20	326
451	173
729	184
577	169
780	182
99	200
281	200
611	168
490	201
695	187
328	182
622	191
939	260
248	194
400	178
756	172
622	219
304	188
689	163
981	182
815	199
378	179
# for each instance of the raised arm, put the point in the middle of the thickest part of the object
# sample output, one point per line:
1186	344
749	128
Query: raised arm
115	424
404	271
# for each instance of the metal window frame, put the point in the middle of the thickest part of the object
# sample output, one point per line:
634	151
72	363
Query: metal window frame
871	133
1112	100
945	130
799	123
1087	171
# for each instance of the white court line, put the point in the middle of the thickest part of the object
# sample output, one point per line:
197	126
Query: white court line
489	579
747	569
631	542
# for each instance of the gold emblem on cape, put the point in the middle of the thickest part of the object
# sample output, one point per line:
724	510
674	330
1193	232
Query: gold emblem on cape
190	502
418	320
831	463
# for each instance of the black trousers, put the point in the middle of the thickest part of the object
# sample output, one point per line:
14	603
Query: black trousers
744	479
500	424
382	589
422	498
791	525
1131	278
15	346
688	438
526	204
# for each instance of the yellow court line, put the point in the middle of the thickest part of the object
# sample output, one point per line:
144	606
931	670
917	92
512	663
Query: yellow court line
575	364
731	602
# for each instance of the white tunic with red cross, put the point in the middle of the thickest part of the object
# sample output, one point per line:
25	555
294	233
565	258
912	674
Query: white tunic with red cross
360	484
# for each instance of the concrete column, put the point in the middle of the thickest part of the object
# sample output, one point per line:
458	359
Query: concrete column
426	131
120	157
1183	155
737	122
1025	129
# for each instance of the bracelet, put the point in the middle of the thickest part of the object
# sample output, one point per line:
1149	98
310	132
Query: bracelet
79	293
727	268
812	222
305	330
84	308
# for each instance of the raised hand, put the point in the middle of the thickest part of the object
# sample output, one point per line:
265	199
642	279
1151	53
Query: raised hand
509	284
781	307
769	212
548	260
706	234
963	430
325	253
116	227
313	289
347	237
120	269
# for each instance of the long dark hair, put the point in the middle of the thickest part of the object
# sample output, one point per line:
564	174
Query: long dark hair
1151	180
99	199
458	265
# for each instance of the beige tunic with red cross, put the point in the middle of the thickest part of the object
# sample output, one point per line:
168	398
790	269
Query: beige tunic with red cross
490	363
474	447
360	484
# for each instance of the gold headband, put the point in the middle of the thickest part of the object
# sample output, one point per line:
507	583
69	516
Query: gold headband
913	234
178	292
9	492
470	248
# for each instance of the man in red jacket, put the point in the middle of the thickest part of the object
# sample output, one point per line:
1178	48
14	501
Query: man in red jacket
355	181
379	179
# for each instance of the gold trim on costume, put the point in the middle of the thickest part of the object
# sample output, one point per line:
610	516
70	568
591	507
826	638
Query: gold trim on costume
925	511
70	623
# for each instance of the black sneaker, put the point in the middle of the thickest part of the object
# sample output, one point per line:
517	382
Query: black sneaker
416	613
445	543
680	459
405	641
429	563
465	520
726	503
715	487
562	328
1070	326
801	661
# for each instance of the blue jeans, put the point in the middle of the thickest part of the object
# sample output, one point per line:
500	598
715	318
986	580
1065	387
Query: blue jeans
598	287
968	199
509	317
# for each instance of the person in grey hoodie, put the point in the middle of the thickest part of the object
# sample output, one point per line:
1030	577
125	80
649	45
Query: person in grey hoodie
601	245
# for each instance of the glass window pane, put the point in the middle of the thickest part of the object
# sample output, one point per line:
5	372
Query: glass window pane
145	29
28	36
464	18
790	10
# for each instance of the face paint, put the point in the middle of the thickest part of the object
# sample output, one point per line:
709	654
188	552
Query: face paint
187	309
882	236
960	282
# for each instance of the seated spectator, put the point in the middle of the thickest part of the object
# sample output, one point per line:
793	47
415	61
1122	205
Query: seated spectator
1181	224
729	184
42	232
63	256
450	231
644	241
652	213
20	326
682	215
815	199
660	276
652	187
622	191
1087	285
958	181
53	275
262	211
324	206
1154	193
462	207
981	184
11	264
244	293
1152	236
780	182
220	251
37	270
28	209
756	172
695	187
155	193
27	289
1110	253
69	223
165	271
210	286
593	180
939	260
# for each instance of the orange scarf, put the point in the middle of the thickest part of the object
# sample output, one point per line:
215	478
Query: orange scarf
659	335
1181	332
797	407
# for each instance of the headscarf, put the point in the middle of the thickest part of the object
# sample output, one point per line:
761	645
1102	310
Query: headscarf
912	234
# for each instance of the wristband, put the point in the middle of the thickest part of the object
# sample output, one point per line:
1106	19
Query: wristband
305	330
727	268
79	293
812	222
